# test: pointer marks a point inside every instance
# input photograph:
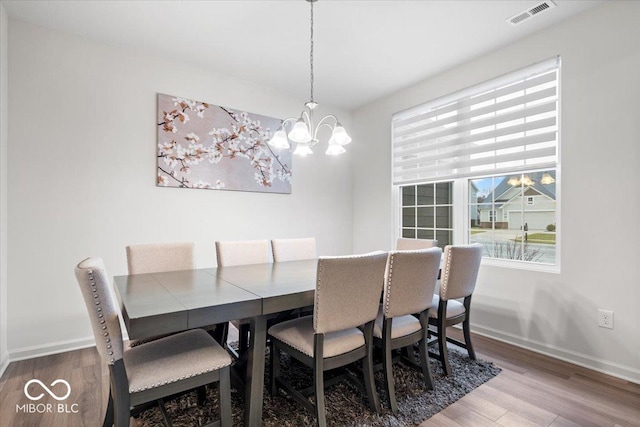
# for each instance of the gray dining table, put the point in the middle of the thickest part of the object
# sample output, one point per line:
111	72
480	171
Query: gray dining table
160	303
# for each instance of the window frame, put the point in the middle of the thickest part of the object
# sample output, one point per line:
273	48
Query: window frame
460	196
398	233
461	222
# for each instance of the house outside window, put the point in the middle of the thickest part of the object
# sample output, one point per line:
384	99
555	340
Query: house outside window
526	231
427	212
495	146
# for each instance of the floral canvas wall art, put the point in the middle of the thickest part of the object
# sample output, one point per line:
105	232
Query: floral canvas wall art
201	145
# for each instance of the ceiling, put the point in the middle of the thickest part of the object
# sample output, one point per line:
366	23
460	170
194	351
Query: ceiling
363	49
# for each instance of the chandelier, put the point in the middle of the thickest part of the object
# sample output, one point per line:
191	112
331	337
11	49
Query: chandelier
304	130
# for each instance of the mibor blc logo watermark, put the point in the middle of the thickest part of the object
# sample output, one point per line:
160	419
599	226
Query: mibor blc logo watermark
35	390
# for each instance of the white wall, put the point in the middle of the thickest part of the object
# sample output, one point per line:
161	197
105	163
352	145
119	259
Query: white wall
82	159
600	149
4	32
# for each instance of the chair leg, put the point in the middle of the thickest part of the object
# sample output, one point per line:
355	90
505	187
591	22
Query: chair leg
442	347
243	338
274	356
122	416
120	394
442	336
387	361
108	415
466	329
423	347
424	363
467	340
165	414
367	369
318	382
318	379
202	395
224	397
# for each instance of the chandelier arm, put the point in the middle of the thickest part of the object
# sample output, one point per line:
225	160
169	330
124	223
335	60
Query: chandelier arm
315	132
287	120
329	116
307	118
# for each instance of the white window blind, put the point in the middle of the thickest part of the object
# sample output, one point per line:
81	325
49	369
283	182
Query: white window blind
505	124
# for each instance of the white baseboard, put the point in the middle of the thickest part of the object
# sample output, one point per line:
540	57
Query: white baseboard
599	365
51	348
4	362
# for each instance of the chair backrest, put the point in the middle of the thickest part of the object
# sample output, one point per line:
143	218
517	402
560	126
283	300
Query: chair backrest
460	270
156	258
293	249
102	307
410	280
414	244
242	252
348	290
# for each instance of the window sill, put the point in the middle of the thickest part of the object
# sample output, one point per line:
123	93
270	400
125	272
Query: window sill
519	265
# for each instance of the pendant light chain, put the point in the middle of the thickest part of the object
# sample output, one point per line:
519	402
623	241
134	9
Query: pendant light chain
311	54
304	129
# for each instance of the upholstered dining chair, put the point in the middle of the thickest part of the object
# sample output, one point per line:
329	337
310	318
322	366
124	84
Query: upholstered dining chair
403	244
293	249
160	257
403	316
242	252
346	299
154	370
459	273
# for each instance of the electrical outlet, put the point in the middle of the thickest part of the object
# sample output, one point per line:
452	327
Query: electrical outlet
605	319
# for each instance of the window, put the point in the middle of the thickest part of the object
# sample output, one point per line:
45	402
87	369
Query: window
427	212
526	231
494	146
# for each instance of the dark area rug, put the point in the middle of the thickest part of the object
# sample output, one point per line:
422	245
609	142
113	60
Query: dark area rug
346	404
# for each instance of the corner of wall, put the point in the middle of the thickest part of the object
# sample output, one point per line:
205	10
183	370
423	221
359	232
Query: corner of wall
4	363
4	21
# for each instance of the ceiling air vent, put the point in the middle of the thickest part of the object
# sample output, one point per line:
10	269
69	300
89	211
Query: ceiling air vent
518	18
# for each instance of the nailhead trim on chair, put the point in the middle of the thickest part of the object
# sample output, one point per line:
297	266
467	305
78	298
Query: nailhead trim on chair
296	347
388	285
445	275
94	289
318	281
292	345
173	380
316	304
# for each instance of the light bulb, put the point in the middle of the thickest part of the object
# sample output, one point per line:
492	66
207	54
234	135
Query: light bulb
303	149
300	132
334	149
279	140
339	135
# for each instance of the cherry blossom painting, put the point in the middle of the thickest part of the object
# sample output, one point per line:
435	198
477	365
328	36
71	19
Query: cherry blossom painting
201	145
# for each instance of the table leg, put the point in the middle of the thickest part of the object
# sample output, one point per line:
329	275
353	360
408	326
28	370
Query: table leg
255	372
